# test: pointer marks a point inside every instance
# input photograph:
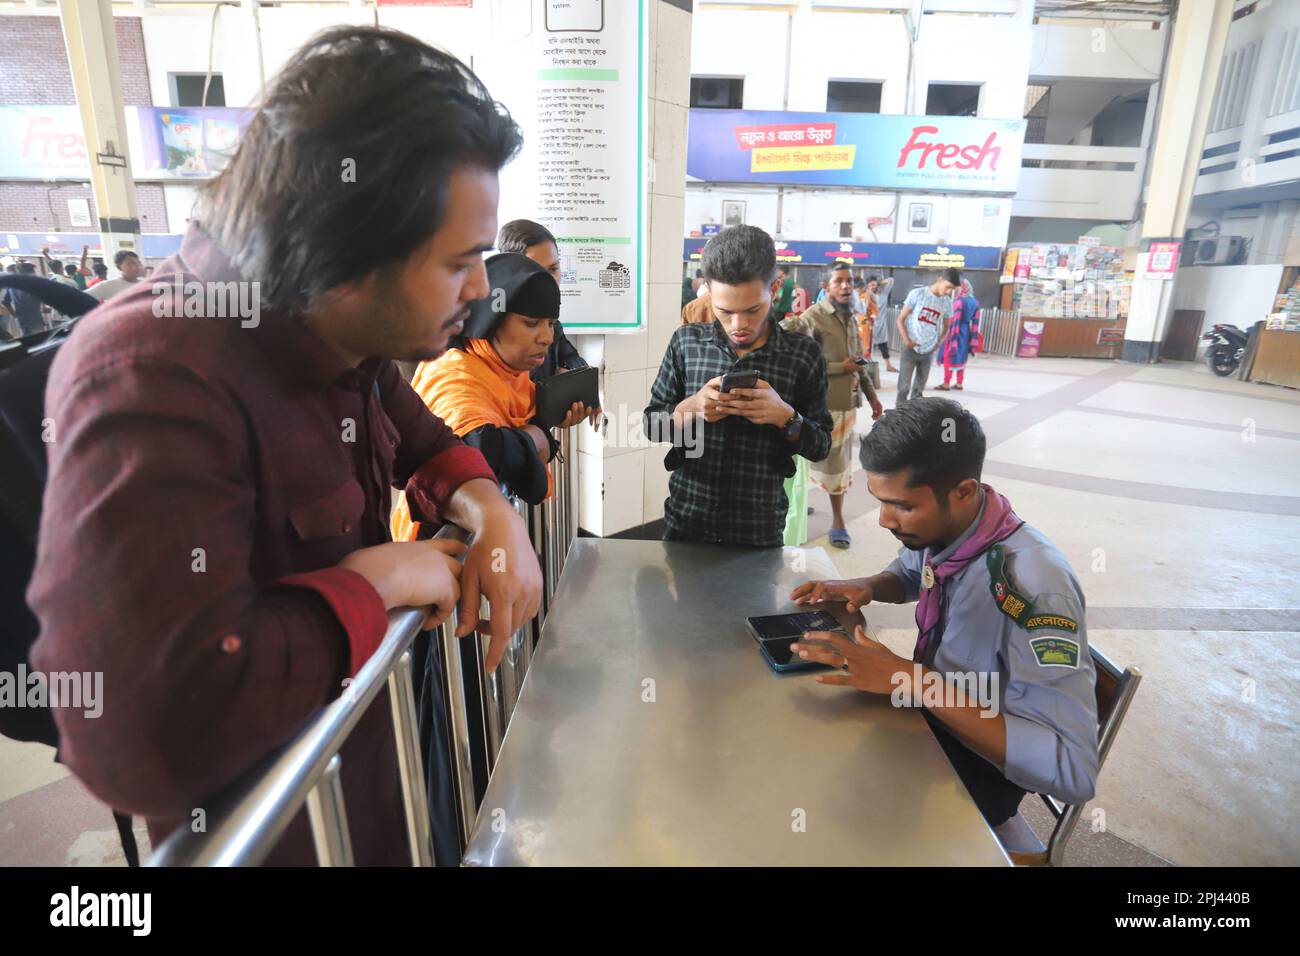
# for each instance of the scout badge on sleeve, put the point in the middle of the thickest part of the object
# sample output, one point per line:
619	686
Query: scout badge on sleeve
1050	651
1010	602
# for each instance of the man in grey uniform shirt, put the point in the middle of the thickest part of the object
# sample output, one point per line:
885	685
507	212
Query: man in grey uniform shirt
996	599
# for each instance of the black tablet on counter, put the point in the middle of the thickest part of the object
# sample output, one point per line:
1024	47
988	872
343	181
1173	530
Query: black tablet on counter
776	632
556	394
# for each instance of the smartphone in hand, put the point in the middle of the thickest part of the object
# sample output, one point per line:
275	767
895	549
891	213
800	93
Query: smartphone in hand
739	378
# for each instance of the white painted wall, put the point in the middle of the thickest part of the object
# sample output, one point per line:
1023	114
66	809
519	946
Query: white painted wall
815	214
176	41
1238	295
1094	50
1077	193
829	44
179	198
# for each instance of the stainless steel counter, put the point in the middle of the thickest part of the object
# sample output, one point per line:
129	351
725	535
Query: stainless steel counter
650	732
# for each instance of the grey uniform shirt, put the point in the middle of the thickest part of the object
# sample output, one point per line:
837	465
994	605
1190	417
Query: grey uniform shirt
1045	673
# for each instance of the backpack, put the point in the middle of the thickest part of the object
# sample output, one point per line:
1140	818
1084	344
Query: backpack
23	472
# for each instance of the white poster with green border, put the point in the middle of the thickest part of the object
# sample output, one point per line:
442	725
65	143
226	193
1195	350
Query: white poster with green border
573	76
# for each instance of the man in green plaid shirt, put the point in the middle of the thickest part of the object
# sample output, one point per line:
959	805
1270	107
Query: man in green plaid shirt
726	487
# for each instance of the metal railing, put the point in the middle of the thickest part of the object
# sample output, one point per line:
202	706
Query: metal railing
1001	331
1000	327
247	818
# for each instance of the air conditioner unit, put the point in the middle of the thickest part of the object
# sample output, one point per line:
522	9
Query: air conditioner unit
1220	250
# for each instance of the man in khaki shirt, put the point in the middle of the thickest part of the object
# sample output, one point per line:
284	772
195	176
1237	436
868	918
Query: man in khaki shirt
833	326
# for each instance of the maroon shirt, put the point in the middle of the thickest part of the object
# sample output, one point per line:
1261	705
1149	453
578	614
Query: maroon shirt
177	434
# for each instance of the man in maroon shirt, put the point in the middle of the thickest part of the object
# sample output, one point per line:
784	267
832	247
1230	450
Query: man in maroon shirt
214	534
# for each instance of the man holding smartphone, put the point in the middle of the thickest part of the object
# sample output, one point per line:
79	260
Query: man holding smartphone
729	491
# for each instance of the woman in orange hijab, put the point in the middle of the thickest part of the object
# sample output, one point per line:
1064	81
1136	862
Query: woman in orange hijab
481	388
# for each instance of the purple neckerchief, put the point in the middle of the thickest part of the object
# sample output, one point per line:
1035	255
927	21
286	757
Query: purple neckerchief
996	522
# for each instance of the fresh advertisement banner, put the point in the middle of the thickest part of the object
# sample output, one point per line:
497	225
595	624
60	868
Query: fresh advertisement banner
927	153
47	142
884	254
1031	339
42	142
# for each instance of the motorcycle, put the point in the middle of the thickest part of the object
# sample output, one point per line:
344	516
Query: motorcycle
1227	344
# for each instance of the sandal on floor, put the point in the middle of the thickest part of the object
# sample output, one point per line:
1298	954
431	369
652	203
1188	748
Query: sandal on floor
958	387
839	537
942	388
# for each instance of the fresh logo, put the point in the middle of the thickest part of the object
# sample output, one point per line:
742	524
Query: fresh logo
967	157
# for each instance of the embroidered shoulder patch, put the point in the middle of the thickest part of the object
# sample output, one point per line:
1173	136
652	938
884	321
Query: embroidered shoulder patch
1057	622
1055	651
1009	601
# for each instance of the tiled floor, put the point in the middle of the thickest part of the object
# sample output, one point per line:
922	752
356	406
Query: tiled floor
1176	496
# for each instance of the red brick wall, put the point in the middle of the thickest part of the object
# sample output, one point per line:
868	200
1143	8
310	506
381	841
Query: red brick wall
34	64
26	207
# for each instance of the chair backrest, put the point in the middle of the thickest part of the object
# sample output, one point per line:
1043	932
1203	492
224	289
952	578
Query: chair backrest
1114	690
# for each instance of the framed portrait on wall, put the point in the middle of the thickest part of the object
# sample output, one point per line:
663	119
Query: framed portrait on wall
733	213
918	216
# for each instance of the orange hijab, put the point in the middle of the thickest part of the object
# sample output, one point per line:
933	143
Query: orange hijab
467	389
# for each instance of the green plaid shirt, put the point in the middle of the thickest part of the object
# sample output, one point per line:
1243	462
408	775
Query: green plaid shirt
728	489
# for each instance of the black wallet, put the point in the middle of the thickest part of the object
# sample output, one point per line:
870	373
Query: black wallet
557	393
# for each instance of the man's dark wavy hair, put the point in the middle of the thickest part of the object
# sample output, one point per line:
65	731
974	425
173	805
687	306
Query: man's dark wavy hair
404	114
937	438
738	255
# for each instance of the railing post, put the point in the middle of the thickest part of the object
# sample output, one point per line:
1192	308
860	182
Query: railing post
564	497
401	695
462	763
329	818
492	693
537	532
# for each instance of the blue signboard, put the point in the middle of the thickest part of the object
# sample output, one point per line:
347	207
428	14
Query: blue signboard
926	153
63	245
710	229
899	255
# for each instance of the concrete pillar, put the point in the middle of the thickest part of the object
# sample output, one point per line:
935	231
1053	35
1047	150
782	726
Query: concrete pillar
92	56
622	483
1189	81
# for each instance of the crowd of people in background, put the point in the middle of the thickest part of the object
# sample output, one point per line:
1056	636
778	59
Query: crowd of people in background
24	313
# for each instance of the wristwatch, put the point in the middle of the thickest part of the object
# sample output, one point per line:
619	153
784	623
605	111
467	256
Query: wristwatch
791	428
